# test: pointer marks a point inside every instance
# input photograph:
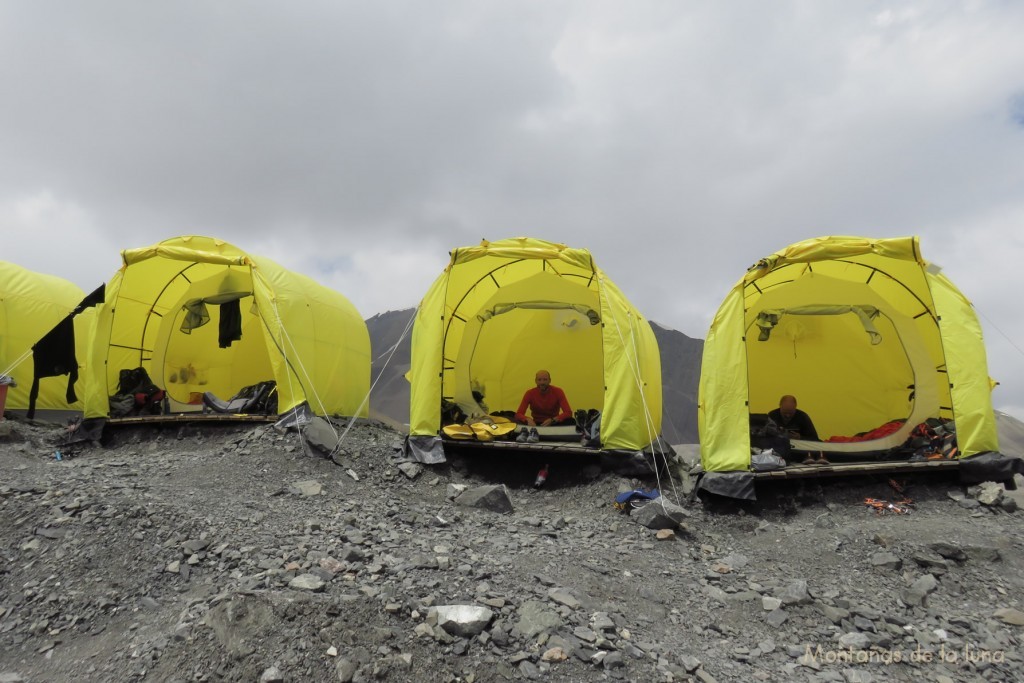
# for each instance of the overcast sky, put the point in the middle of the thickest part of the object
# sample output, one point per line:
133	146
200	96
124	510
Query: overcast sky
679	142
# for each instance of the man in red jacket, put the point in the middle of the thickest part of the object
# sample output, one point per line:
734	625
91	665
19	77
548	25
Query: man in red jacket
547	404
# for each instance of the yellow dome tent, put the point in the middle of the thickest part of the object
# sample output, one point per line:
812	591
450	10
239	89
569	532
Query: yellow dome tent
862	332
31	304
501	311
308	338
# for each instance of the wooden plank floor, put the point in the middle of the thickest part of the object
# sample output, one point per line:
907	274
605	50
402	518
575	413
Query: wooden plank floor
183	418
549	447
838	469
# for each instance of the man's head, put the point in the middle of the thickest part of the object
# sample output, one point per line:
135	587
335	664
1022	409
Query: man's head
543	380
787	406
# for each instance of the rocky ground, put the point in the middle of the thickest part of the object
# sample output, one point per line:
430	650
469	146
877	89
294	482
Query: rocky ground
230	553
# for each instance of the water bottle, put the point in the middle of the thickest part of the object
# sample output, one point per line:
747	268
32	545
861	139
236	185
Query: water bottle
542	477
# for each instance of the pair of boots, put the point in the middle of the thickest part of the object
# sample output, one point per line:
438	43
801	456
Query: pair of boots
530	435
820	460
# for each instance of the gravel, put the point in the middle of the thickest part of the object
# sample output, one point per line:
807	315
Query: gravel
233	553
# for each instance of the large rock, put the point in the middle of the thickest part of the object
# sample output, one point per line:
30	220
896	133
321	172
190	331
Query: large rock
915	593
307	582
885	561
1010	615
564	597
494	498
321	435
410	469
535	617
464	621
660	514
795	593
990	493
948	550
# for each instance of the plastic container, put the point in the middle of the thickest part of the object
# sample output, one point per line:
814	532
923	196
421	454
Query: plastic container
5	381
542	477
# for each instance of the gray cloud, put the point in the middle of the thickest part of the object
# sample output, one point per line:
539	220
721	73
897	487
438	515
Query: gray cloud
358	142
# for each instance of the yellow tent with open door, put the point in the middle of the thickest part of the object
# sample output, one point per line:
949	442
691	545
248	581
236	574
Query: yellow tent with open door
503	310
309	339
863	332
31	304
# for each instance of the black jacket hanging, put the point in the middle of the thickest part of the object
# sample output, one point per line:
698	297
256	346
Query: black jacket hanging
54	354
230	323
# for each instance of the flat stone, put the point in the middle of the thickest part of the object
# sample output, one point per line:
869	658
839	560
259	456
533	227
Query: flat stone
494	498
736	560
776	617
834	614
321	435
410	469
950	551
554	654
464	621
1009	615
11	676
916	593
454	490
770	604
600	621
345	669
665	534
613	660
51	533
529	670
660	514
563	597
585	634
795	593
307	582
272	675
535	617
886	561
309	487
855	640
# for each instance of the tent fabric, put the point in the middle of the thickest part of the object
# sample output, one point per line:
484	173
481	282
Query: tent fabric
929	359
309	339
31	305
502	310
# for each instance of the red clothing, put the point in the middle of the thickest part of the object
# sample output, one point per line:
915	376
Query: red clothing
551	404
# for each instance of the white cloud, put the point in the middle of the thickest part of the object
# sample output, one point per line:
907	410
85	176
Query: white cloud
359	142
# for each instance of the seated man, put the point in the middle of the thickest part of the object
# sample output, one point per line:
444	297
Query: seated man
547	404
796	424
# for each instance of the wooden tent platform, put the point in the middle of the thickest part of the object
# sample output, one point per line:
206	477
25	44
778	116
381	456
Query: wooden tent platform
546	447
189	418
839	469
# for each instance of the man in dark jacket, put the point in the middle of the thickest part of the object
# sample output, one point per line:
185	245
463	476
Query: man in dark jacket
796	424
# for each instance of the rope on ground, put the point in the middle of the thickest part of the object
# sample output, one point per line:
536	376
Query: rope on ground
288	366
391	354
634	366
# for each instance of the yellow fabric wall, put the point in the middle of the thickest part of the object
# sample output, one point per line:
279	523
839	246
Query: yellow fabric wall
31	304
285	316
597	366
